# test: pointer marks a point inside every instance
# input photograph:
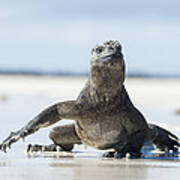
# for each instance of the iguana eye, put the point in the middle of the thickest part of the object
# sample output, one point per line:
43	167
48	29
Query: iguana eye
99	50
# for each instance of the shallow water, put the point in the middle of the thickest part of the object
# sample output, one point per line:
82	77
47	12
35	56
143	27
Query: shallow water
17	109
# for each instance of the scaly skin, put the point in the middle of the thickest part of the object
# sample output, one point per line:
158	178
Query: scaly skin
104	114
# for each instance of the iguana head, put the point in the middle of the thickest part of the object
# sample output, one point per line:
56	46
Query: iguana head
107	54
107	64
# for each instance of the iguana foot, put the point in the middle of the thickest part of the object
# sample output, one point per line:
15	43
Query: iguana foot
12	138
44	148
120	154
109	154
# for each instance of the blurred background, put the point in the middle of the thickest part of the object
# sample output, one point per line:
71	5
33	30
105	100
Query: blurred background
42	36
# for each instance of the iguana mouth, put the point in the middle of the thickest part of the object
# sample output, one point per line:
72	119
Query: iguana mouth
107	59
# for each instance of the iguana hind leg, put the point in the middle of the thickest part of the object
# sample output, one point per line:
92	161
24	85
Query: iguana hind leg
63	137
163	139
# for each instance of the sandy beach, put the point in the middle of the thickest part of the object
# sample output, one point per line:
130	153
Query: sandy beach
22	97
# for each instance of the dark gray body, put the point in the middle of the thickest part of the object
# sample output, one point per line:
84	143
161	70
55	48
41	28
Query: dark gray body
104	122
104	115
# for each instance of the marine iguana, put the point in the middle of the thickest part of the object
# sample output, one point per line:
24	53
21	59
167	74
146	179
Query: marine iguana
105	117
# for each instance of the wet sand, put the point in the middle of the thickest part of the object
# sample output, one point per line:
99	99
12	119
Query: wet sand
21	98
86	169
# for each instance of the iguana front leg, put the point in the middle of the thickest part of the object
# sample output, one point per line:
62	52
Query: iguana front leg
63	110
